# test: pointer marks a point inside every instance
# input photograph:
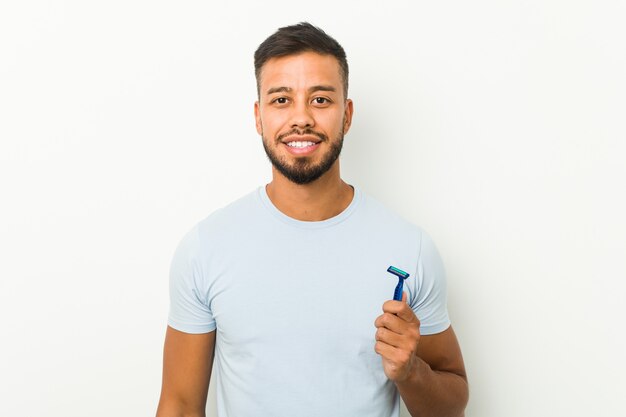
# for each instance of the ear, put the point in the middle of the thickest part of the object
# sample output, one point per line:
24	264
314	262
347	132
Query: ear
347	116
257	118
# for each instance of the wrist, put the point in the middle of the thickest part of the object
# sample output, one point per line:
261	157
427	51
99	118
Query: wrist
416	374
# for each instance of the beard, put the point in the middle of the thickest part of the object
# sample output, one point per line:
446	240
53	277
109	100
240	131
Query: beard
303	170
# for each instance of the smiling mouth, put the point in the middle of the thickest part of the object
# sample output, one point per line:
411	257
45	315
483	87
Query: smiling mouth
300	144
297	135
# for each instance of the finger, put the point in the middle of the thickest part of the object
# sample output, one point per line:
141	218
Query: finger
406	338
385	350
391	338
400	309
407	314
393	306
392	354
393	323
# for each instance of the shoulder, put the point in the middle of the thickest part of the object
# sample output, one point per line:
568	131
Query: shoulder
222	224
233	213
386	224
387	221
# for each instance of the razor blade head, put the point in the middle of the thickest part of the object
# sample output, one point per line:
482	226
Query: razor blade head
398	272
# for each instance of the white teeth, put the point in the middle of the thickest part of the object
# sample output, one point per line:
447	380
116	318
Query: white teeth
300	144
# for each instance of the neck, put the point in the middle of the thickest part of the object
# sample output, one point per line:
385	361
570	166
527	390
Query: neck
319	200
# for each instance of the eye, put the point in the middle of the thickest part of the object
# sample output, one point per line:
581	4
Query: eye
321	100
280	100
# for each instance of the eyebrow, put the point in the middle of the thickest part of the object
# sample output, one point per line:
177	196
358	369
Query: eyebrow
312	89
322	88
278	90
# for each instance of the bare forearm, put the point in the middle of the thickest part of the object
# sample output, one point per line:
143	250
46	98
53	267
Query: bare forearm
434	393
174	410
187	365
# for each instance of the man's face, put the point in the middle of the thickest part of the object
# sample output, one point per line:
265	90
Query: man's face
302	114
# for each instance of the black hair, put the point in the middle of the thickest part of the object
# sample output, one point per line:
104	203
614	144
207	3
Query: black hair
295	39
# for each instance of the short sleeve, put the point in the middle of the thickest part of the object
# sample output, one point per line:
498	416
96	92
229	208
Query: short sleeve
430	301
189	306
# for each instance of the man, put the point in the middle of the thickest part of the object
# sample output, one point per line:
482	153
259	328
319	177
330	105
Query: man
283	289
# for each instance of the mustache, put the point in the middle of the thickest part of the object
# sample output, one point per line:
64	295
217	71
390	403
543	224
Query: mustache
296	131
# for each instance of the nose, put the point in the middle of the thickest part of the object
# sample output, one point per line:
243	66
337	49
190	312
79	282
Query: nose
301	116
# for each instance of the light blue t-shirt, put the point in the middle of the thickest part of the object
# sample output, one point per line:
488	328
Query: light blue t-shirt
294	304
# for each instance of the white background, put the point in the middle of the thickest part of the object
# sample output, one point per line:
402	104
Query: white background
497	126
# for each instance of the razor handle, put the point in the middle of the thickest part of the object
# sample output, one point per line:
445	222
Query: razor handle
397	294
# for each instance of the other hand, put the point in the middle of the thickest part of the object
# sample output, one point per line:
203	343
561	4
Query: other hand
397	337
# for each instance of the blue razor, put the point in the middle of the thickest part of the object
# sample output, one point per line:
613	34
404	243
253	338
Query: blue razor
397	294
